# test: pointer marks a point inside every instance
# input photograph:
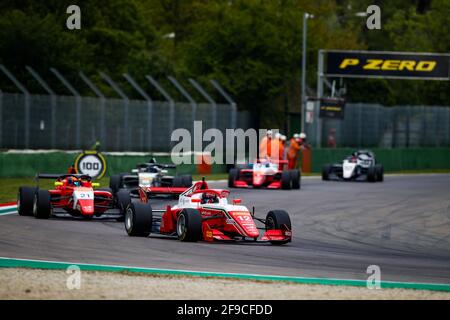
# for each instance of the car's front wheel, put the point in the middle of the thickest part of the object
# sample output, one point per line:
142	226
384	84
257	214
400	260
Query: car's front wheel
326	172
296	178
380	172
25	200
42	207
275	219
286	180
233	175
372	174
189	225
139	219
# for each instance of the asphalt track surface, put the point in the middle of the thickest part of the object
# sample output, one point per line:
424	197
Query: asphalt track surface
401	225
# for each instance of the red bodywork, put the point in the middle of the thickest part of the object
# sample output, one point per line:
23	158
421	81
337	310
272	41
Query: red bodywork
220	222
258	179
77	197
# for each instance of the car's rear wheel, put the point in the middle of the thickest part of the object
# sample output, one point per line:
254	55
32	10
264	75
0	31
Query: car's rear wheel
187	180
286	180
233	175
372	174
296	179
115	182
139	219
326	172
178	182
25	200
189	225
380	172
42	207
123	200
275	219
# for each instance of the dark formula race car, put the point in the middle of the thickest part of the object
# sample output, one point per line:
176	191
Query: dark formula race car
152	177
360	166
265	173
205	214
73	194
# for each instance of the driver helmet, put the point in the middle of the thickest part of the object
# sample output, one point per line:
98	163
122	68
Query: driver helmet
302	136
209	198
269	134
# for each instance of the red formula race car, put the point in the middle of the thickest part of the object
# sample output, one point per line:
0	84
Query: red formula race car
205	214
265	173
73	194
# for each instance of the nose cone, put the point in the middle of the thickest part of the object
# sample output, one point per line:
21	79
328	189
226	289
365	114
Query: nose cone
86	207
258	179
245	221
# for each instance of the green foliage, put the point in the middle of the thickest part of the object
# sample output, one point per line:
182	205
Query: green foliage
252	47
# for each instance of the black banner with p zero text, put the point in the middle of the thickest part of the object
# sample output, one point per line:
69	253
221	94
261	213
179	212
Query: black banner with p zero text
388	65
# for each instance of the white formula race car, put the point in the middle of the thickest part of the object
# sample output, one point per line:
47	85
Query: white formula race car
359	166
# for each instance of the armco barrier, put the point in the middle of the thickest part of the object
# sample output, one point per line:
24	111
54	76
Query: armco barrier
392	159
28	164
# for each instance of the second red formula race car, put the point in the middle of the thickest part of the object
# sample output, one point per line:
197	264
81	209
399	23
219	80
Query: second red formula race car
205	214
73	194
265	173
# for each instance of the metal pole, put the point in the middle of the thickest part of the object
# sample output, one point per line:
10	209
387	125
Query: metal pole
227	97
169	99
149	100
126	107
99	94
52	94
319	96
24	90
1	119
78	105
213	103
303	100
186	94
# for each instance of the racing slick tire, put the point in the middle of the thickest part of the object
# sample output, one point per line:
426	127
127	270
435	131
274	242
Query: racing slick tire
42	207
326	172
286	180
25	200
233	175
275	219
123	200
380	172
115	182
189	225
187	180
139	219
177	181
372	174
296	179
